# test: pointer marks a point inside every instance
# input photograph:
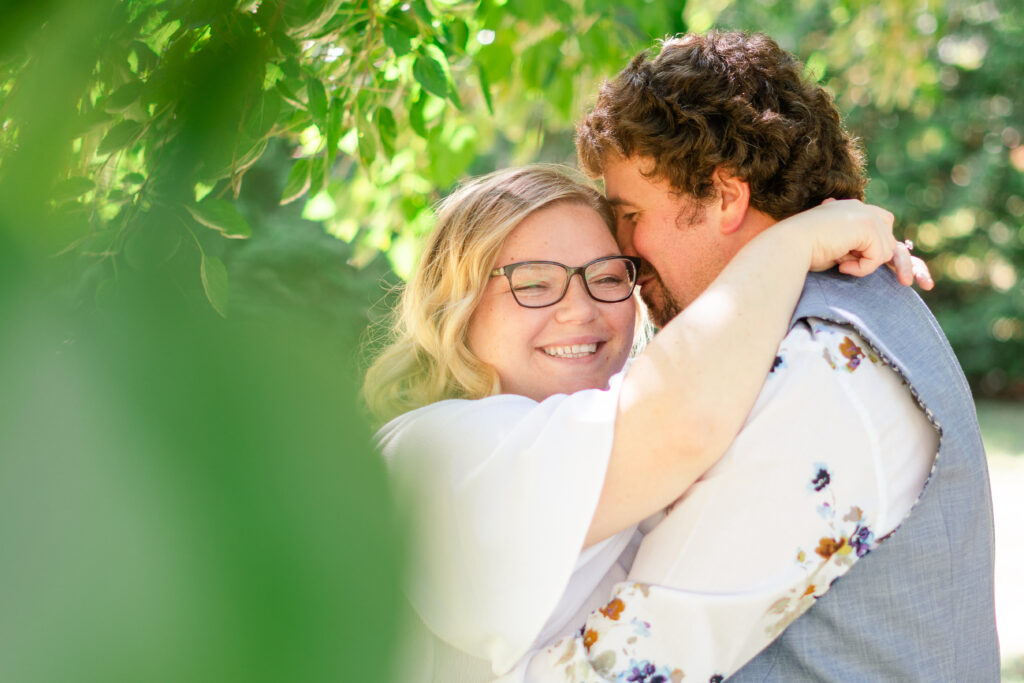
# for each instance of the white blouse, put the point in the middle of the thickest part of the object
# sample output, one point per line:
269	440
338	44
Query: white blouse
500	493
831	459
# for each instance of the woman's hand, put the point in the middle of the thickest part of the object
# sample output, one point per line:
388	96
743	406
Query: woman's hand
857	237
910	269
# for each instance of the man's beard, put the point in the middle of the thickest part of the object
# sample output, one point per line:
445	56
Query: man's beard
661	305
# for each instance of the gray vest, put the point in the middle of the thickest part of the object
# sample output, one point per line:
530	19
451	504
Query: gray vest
920	607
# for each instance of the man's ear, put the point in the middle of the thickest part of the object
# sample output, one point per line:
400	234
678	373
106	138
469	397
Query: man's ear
734	200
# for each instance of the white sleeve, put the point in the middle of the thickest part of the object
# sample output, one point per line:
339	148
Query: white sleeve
500	493
831	459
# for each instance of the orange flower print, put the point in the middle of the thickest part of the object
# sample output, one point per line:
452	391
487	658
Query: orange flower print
589	638
851	352
827	547
613	609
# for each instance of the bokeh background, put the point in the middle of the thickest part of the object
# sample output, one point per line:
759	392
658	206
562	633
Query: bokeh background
203	205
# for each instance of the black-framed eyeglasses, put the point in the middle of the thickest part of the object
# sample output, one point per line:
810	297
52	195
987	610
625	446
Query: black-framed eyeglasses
536	284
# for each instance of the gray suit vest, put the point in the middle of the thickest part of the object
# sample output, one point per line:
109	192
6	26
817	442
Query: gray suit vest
920	607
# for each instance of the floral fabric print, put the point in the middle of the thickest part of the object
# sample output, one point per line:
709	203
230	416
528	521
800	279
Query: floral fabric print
750	547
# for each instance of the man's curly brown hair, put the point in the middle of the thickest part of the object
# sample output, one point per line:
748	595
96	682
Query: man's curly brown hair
732	100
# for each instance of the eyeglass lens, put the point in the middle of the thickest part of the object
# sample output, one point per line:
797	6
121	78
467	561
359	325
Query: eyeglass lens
542	284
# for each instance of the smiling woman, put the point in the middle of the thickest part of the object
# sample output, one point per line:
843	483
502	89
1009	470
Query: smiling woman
522	456
562	345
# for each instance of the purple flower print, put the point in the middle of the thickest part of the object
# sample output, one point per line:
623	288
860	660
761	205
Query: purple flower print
821	479
861	540
640	672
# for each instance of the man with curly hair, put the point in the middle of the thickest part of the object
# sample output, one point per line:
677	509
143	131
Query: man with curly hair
839	473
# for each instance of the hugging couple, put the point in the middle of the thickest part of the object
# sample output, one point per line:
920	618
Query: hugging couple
785	483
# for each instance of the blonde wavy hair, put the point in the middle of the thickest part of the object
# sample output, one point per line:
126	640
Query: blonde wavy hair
425	356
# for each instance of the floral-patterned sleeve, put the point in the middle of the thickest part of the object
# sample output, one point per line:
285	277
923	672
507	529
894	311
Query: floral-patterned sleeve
831	459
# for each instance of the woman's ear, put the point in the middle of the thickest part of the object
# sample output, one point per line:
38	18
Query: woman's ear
734	200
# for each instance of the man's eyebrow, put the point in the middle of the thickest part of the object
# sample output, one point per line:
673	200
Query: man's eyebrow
618	201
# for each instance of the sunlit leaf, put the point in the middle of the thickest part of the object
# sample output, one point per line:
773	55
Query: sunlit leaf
123	134
319	207
429	73
297	183
221	216
215	283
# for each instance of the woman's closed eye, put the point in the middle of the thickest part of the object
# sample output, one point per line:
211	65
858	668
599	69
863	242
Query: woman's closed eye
607	281
532	286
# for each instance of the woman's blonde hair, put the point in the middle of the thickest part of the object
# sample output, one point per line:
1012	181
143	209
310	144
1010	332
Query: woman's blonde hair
426	357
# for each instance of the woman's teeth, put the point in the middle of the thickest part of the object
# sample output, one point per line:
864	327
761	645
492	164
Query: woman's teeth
573	351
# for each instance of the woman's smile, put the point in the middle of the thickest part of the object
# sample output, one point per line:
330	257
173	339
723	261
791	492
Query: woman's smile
573	344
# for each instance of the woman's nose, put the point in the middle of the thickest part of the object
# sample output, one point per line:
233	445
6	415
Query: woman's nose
576	305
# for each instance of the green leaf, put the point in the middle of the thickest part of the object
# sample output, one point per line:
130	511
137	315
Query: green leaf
285	45
429	73
387	129
456	34
215	282
262	117
485	87
134	179
297	183
221	216
367	144
289	96
317	101
124	97
72	188
540	61
416	121
317	174
147	58
335	116
397	40
421	10
123	134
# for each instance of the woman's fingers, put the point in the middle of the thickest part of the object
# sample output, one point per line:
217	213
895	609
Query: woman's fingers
910	269
902	265
922	275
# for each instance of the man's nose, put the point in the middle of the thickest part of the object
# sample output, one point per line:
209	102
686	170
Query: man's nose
577	305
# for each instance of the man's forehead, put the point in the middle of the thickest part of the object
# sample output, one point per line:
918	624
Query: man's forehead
628	181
